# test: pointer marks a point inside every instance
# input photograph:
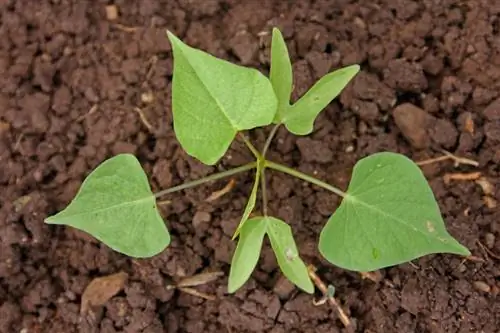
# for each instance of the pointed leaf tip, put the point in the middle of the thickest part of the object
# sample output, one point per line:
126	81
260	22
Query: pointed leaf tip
299	118
116	206
389	217
287	254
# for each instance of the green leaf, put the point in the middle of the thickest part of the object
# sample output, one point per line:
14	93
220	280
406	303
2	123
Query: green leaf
213	99
389	217
281	74
115	205
287	255
251	201
299	118
247	252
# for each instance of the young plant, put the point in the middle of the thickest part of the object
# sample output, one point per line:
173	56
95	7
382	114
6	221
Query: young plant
388	214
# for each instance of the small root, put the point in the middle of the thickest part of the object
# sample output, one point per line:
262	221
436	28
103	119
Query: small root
218	194
323	288
144	120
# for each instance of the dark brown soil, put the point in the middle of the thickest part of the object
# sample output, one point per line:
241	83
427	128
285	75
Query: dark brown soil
69	85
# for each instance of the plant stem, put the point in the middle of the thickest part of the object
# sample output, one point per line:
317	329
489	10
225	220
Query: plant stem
303	176
263	185
250	146
270	139
207	179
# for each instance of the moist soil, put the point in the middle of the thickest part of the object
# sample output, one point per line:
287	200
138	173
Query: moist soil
80	84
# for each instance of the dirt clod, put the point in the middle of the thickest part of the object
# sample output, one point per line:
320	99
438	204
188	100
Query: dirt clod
413	123
101	289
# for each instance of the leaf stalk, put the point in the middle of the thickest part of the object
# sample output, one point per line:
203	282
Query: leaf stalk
303	176
207	179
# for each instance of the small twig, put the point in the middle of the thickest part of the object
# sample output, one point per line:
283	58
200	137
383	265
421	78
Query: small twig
218	194
461	176
163	202
197	293
144	119
413	265
475	259
92	110
449	156
487	251
153	60
125	28
324	289
18	142
196	280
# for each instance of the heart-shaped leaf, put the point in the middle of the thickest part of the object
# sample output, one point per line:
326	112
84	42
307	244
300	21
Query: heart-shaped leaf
115	205
389	217
213	99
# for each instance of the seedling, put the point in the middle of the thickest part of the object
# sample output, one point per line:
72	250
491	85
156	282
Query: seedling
388	214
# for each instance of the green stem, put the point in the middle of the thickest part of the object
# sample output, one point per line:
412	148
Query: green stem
207	179
270	139
303	176
263	185
250	146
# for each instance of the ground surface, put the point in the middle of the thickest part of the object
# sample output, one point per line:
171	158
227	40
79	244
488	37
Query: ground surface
71	80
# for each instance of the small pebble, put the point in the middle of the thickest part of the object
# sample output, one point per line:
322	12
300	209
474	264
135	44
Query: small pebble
482	286
201	217
111	12
147	97
489	240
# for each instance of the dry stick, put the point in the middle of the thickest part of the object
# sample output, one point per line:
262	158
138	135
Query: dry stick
218	194
449	156
153	60
488	251
144	119
163	202
186	284
461	176
197	293
125	28
311	269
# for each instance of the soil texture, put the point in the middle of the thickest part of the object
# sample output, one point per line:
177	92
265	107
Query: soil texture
84	80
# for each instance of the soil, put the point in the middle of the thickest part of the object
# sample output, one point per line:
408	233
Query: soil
71	83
